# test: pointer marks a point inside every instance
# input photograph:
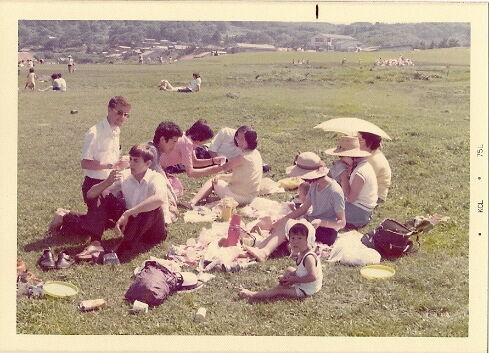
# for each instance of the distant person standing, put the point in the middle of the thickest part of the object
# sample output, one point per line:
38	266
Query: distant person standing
141	60
31	80
161	60
71	64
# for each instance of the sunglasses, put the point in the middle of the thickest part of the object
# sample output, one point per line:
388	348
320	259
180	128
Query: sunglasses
121	113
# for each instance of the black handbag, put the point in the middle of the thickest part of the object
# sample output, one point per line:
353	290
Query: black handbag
392	239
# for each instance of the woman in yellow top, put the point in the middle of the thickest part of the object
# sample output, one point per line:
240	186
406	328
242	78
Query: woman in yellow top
243	183
371	143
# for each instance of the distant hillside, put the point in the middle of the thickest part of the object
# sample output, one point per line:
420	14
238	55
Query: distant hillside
95	37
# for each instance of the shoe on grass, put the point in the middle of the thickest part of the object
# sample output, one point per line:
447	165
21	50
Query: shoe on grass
46	261
64	261
92	251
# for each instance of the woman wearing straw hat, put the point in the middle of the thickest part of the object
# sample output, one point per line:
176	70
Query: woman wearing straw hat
327	215
358	182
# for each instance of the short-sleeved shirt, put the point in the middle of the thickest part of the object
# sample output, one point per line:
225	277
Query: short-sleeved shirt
135	192
181	154
223	144
62	84
367	197
326	203
56	84
101	144
194	84
382	171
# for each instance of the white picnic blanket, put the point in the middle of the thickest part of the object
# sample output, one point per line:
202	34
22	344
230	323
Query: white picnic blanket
348	249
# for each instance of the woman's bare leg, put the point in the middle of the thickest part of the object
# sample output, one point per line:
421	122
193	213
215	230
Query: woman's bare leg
203	192
268	245
275	292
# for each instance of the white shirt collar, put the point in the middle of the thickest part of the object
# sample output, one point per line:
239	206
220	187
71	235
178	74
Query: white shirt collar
115	131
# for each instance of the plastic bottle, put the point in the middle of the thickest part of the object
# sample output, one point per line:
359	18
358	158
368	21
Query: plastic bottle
93	304
234	230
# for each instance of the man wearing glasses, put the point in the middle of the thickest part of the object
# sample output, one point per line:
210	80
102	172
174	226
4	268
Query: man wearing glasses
100	153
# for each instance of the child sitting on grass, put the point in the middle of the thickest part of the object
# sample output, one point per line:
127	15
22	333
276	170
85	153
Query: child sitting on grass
300	198
300	282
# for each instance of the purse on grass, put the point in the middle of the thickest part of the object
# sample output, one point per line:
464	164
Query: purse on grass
392	239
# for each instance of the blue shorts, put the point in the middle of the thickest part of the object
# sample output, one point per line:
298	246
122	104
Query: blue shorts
356	216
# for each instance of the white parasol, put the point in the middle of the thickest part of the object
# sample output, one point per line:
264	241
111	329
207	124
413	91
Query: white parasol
350	126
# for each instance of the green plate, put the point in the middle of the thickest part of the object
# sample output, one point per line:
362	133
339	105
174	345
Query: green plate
59	289
377	272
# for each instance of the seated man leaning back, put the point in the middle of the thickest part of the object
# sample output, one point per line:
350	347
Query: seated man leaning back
131	198
327	216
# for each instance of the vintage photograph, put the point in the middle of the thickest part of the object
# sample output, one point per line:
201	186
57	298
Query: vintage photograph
244	177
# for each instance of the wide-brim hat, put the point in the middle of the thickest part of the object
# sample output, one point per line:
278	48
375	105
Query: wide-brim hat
311	231
348	146
188	281
304	163
315	174
69	56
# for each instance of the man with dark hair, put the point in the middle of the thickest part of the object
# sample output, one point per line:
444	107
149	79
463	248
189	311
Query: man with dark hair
132	199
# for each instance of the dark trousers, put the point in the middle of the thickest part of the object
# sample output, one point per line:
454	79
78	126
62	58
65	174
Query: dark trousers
87	184
147	226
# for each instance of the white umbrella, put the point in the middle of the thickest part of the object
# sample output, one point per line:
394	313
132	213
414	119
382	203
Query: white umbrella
350	126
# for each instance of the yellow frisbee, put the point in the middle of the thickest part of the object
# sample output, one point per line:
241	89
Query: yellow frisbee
377	272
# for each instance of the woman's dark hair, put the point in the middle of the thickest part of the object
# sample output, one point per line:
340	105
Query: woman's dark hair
250	136
54	76
200	131
168	130
31	69
196	74
372	141
299	229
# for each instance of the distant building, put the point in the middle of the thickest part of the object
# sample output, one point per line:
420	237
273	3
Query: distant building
333	42
249	47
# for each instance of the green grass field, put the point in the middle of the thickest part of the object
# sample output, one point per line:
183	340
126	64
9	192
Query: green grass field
429	156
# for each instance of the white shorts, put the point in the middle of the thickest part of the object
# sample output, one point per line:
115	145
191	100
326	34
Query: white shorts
221	188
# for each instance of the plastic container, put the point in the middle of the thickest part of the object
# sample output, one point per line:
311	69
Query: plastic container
139	307
92	304
228	205
200	314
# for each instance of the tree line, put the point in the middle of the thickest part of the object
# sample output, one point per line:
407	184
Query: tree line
96	36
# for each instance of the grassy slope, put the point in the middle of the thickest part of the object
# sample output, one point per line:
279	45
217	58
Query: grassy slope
429	123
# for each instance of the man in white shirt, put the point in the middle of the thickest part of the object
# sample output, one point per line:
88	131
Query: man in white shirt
101	147
100	154
132	199
223	144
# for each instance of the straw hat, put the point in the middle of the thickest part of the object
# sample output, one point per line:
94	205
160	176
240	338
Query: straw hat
304	163
187	281
348	146
315	174
311	231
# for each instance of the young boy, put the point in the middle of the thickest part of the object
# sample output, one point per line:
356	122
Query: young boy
137	214
31	80
300	282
